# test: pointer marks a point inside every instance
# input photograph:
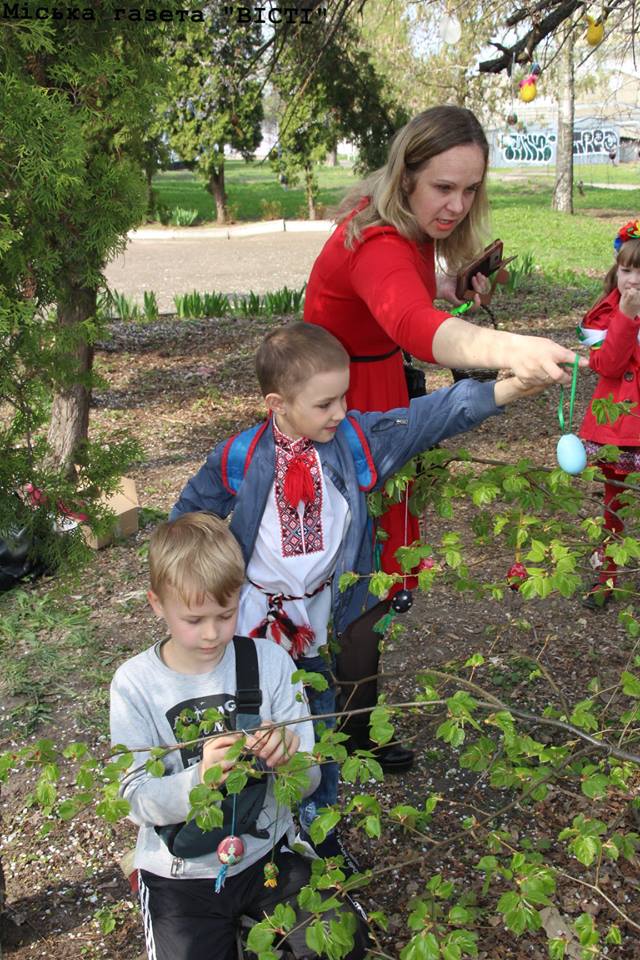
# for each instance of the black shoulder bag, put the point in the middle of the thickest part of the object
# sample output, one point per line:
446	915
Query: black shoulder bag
187	840
415	377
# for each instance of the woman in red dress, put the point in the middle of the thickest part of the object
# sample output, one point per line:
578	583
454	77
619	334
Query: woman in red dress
374	282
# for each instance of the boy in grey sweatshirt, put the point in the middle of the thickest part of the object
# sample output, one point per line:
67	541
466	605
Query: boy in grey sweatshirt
197	571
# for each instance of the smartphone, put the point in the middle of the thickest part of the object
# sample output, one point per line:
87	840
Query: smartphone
488	262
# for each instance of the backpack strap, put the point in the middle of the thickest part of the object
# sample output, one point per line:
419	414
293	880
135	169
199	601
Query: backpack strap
248	692
237	454
365	468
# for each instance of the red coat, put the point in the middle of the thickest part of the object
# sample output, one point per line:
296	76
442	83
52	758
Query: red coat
617	360
373	298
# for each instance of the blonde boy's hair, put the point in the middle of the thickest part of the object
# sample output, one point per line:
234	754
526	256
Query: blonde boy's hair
198	556
290	355
383	197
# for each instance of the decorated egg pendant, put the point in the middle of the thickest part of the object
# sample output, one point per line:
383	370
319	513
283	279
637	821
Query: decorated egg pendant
595	31
516	574
528	90
402	601
271	874
572	457
230	851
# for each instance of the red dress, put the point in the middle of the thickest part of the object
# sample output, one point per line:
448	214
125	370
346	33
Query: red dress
377	298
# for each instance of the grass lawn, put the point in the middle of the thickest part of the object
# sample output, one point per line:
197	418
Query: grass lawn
521	212
522	217
253	191
587	172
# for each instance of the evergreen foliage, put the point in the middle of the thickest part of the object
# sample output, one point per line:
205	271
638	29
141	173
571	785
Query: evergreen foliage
75	98
214	96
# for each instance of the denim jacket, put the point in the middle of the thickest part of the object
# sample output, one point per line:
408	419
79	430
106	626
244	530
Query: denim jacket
393	438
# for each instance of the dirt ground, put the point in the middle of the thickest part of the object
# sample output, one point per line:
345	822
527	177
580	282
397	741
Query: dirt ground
239	265
180	389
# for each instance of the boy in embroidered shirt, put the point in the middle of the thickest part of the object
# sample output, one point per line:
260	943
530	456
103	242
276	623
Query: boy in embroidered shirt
296	486
197	571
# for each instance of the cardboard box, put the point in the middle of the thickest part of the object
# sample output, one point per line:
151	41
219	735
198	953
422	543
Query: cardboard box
124	503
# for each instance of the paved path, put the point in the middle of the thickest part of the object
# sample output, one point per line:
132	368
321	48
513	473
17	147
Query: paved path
259	263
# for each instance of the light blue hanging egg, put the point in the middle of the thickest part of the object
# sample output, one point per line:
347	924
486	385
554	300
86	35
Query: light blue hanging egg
572	456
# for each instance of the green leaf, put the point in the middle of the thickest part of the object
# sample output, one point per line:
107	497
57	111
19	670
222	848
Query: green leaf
113	810
423	946
67	809
595	786
630	684
260	937
557	949
475	660
477	756
614	935
583	717
459	916
317	681
586	849
586	929
323	824
347	580
372	826
45	793
451	731
155	768
380	583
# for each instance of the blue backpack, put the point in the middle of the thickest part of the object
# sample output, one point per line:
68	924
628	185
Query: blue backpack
239	449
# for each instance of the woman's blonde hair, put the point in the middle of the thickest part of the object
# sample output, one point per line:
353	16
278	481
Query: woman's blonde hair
628	256
198	556
387	190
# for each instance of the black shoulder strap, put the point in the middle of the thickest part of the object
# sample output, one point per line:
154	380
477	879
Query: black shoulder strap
248	692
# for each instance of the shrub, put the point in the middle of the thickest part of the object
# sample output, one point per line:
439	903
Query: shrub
183	218
271	209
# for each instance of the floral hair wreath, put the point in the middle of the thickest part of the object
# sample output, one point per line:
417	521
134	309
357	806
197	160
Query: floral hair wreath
630	231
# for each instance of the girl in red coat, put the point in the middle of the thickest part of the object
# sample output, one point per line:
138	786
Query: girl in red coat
611	329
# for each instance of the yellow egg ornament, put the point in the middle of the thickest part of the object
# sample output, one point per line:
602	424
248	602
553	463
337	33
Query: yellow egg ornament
528	90
595	31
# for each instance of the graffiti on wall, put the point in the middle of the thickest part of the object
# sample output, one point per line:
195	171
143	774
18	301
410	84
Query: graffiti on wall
596	140
528	147
539	146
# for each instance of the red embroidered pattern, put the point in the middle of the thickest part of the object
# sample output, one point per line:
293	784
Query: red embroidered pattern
297	536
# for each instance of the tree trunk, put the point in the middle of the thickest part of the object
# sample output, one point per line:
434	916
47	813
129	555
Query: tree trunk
310	187
332	156
563	189
218	192
69	425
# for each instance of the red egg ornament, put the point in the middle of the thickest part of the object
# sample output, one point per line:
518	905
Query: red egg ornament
516	574
230	851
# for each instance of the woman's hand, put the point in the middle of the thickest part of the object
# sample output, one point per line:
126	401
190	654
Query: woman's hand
446	288
538	360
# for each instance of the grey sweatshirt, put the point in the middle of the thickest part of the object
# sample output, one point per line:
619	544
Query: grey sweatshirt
146	699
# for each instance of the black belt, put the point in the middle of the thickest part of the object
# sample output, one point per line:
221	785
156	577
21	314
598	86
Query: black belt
376	356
